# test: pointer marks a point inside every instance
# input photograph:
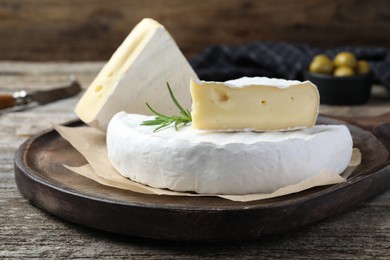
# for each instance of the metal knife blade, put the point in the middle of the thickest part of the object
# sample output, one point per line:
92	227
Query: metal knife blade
42	97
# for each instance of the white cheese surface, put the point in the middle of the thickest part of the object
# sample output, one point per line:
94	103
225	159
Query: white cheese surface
249	81
136	73
220	162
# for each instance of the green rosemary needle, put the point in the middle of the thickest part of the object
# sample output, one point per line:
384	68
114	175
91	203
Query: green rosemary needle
163	121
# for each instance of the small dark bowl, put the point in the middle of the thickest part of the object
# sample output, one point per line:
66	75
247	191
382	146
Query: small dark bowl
352	90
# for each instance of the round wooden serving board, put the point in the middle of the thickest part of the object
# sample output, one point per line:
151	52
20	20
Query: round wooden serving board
42	179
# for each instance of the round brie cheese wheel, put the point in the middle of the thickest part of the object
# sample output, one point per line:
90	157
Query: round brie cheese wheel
220	162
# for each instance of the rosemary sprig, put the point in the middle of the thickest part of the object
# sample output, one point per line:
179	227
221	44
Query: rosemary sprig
163	121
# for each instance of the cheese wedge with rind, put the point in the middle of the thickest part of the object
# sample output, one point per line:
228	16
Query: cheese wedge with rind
137	73
254	104
224	162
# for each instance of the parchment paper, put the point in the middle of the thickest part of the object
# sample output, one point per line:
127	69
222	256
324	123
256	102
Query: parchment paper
91	143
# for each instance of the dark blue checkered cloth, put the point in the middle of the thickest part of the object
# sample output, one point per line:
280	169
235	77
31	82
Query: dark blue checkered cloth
279	60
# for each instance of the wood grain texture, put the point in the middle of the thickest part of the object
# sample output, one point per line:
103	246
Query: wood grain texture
93	29
28	232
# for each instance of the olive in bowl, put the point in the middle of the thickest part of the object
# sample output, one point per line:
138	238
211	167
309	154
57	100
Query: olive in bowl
347	83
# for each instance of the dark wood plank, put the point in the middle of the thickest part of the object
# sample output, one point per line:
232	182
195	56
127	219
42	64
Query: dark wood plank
28	232
93	29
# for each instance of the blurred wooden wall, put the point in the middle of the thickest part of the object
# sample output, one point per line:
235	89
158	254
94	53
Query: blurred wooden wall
93	29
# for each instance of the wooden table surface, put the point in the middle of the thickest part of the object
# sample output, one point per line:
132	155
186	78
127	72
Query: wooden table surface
28	232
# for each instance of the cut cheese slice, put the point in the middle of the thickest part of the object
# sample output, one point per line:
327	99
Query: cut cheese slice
255	104
224	162
137	73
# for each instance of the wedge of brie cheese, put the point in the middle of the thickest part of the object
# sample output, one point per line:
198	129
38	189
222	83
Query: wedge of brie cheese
224	162
137	73
255	104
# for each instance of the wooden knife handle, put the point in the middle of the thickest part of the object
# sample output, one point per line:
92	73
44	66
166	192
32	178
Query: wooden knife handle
7	101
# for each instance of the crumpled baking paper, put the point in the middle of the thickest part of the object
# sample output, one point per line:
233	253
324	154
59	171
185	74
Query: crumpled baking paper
91	143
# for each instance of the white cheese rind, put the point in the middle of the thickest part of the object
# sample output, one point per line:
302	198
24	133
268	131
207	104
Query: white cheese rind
255	104
221	162
137	73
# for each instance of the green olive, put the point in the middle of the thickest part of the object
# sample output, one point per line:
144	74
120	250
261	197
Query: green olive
321	64
321	57
362	67
345	59
343	71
